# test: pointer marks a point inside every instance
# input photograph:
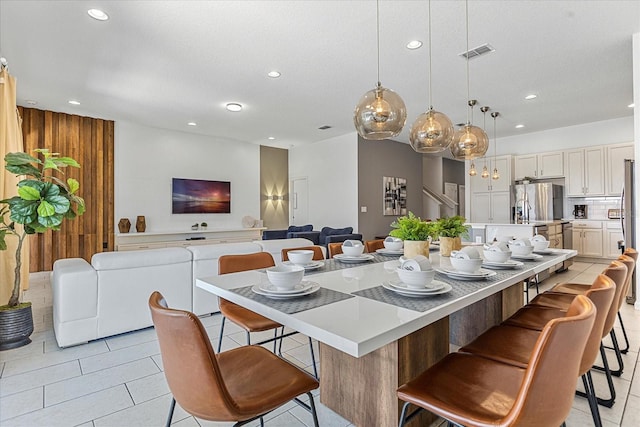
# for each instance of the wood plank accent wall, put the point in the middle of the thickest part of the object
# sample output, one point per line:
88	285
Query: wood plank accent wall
91	142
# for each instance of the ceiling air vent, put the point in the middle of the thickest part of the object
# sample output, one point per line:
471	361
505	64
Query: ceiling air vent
325	127
477	51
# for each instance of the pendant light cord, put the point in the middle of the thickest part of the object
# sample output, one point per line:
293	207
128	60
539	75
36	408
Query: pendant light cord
378	35
430	90
468	84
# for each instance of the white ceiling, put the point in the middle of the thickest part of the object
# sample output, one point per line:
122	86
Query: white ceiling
165	63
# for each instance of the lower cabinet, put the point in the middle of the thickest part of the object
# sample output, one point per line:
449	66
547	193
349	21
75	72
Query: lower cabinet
491	207
588	241
612	236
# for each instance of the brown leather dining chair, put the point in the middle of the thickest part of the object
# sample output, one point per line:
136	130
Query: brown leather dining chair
334	249
373	245
238	385
513	343
476	391
247	319
318	255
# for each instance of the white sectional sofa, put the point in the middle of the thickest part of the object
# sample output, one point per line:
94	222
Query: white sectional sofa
110	295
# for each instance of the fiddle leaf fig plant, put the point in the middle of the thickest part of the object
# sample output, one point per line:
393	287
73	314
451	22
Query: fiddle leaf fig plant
412	227
43	201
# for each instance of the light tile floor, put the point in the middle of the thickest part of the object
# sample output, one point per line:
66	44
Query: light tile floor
118	381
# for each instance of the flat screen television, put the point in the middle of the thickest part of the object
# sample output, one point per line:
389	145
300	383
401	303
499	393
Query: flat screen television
200	196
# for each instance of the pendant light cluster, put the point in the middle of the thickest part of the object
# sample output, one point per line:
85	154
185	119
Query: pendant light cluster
380	113
485	171
496	174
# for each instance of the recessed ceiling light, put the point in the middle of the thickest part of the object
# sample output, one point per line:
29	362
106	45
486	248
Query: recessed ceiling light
532	96
72	102
98	14
271	138
631	105
192	124
273	74
414	44
31	102
234	106
519	126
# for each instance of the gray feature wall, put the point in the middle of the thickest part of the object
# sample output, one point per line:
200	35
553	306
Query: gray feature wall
385	158
453	171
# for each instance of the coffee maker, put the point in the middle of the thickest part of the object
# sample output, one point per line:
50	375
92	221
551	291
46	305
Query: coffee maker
580	211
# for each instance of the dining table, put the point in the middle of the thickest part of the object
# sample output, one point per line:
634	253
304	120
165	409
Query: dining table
373	339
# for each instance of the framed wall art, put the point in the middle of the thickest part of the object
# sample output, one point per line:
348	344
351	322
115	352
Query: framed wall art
394	195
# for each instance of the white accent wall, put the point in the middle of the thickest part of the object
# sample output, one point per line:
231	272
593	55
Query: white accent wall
147	158
331	169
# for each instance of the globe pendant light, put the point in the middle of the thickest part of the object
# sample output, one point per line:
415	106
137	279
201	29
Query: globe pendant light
496	174
432	132
485	171
469	142
472	169
380	113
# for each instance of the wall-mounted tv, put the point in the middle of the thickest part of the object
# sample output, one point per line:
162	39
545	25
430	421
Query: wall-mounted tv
199	196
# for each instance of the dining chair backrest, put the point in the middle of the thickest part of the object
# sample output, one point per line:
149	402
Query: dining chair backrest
334	249
624	285
633	254
373	245
235	263
601	293
189	362
546	394
318	255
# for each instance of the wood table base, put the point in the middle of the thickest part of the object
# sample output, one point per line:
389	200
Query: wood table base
363	390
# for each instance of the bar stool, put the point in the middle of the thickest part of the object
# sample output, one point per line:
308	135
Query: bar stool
334	249
476	391
373	245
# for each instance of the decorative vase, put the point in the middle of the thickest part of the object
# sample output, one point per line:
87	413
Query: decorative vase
141	224
416	247
124	225
448	244
16	325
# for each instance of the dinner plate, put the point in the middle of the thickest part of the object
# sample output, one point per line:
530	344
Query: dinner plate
502	265
544	252
461	275
434	286
313	265
303	286
314	288
347	259
419	294
530	257
389	252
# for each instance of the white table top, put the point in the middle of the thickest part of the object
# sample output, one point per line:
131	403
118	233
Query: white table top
359	325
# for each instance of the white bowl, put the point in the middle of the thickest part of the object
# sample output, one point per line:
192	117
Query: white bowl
300	256
504	238
537	238
466	265
521	247
416	279
393	243
496	255
419	263
540	245
471	251
352	250
285	277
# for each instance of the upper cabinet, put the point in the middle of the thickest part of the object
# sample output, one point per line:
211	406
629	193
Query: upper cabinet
616	154
503	163
544	165
585	172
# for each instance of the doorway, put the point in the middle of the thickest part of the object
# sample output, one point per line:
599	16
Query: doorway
299	203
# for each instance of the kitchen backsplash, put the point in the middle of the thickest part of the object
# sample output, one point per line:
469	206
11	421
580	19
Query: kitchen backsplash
596	208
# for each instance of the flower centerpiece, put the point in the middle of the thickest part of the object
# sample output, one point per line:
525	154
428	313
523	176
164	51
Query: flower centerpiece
416	234
42	203
449	231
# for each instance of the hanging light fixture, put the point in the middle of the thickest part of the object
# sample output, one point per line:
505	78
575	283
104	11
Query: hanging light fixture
484	109
380	113
469	142
472	169
496	174
432	132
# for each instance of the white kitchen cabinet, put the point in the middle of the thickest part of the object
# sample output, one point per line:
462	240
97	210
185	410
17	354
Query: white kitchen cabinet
543	165
616	154
491	207
479	184
587	238
585	172
613	233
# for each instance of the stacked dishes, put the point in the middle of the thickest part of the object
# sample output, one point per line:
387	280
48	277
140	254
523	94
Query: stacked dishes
496	256
416	279
523	249
303	258
352	253
393	246
465	265
540	245
285	281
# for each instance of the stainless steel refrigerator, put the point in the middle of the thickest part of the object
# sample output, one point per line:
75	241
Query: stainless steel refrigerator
536	202
628	217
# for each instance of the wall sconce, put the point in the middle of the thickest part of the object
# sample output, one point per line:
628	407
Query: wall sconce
275	198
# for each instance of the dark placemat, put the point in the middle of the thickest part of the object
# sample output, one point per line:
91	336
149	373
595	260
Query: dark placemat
332	264
294	305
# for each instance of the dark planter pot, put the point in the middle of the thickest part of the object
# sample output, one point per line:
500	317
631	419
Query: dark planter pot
15	327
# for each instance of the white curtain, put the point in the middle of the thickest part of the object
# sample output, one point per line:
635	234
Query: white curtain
10	141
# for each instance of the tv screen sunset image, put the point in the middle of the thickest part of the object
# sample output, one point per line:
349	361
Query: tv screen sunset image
200	196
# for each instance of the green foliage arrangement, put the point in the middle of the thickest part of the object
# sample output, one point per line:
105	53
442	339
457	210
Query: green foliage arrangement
42	203
411	227
451	227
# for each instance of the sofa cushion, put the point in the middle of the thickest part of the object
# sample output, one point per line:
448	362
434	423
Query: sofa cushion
293	228
139	259
328	231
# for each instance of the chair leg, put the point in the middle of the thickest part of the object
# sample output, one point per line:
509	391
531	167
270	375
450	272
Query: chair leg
280	345
314	414
221	332
171	409
612	391
275	340
624	333
248	338
403	414
313	359
261	422
616	349
587	381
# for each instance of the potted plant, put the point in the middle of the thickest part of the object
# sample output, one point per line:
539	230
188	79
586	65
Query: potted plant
42	203
449	230
415	233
